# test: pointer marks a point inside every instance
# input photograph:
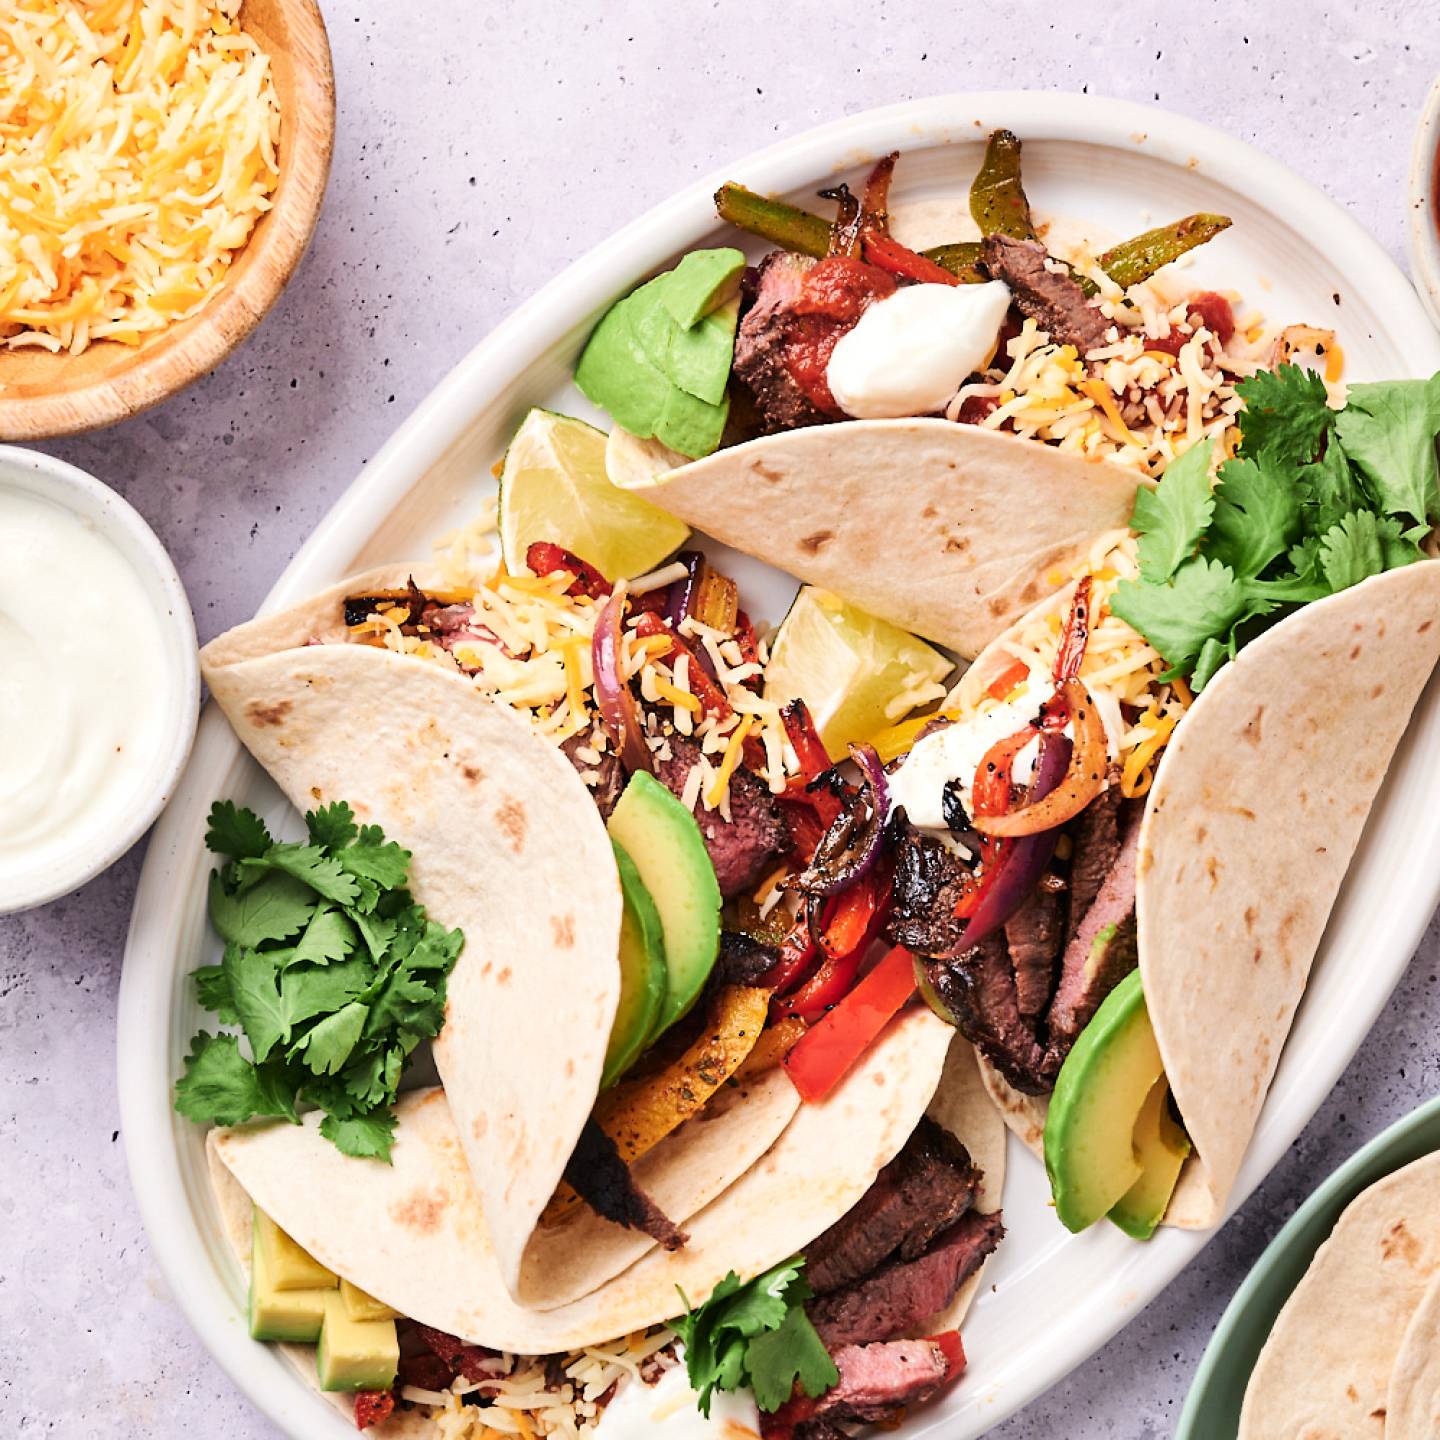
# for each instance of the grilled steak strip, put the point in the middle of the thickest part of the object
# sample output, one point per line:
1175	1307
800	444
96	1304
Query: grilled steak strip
929	883
1095	837
1054	302
763	338
609	774
927	1186
740	848
1035	934
1102	951
906	1293
603	1180
877	1381
978	988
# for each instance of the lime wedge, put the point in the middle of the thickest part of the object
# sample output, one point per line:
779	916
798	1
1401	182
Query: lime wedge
848	667
553	487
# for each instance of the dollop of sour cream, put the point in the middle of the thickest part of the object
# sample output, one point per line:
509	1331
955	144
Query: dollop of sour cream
668	1409
909	353
954	753
84	682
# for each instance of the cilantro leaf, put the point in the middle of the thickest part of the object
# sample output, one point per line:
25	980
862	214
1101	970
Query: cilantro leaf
240	834
1361	545
251	975
1388	430
376	932
367	1136
386	864
1286	415
1331	488
1171	518
327	1046
329	936
1257	515
1213	654
1204	599
321	990
331	826
273	909
212	990
755	1333
792	1351
311	865
220	1086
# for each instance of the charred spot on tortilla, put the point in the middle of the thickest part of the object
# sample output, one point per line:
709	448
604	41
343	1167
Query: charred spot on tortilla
269	715
473	773
1398	1241
956	544
1424	626
929	513
510	816
505	976
421	1211
766	472
813	544
563	929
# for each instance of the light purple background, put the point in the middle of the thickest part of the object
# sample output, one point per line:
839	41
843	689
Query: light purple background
481	147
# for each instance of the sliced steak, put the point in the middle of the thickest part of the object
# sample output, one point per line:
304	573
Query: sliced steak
1035	934
1095	838
603	1181
927	1186
1055	302
763	341
904	1294
978	988
930	881
1102	952
741	847
876	1381
608	776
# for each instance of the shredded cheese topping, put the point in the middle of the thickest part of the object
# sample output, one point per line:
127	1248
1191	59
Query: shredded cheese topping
137	150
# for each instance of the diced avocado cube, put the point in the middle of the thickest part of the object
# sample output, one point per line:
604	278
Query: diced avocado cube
355	1354
616	374
689	425
361	1306
276	1314
702	282
290	1267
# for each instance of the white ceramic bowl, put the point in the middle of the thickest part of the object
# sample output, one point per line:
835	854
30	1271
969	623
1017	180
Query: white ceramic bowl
1425	205
93	849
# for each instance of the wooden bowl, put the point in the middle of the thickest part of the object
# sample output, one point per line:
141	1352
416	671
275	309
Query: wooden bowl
58	394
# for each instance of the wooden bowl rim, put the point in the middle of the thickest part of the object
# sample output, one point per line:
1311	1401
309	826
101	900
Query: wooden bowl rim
229	315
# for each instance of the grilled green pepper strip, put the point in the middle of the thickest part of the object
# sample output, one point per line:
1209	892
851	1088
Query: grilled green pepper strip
1138	258
961	259
997	198
787	226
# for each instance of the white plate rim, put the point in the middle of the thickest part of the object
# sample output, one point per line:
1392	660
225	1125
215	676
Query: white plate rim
144	1070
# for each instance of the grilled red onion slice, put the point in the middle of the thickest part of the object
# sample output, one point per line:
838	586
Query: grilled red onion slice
618	708
849	847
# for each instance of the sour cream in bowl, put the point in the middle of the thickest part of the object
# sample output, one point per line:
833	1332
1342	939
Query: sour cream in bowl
99	680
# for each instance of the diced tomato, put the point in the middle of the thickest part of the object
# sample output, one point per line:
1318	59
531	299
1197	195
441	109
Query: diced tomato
832	298
373	1407
1214	312
545	558
827	1050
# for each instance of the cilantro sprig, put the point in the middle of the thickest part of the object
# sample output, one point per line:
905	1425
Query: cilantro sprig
756	1334
1314	501
330	969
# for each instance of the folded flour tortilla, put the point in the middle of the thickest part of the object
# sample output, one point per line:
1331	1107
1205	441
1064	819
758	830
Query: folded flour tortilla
1249	828
509	846
948	530
1330	1365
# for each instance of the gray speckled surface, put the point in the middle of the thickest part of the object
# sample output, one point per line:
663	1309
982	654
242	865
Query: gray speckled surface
481	146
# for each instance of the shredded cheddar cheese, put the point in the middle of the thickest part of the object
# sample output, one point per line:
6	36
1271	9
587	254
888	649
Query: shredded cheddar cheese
137	150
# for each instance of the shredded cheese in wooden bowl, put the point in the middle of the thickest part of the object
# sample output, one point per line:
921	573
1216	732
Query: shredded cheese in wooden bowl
138	147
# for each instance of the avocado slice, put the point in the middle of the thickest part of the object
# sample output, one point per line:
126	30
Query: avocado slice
355	1354
662	839
1161	1146
701	283
289	1266
362	1306
643	976
699	359
616	374
276	1313
1102	1087
689	425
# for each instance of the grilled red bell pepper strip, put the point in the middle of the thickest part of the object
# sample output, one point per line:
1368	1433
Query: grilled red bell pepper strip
545	558
853	920
991	796
706	691
953	1349
1071	654
828	1049
1007	680
798	956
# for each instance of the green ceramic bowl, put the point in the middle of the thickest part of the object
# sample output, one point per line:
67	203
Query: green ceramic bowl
1212	1409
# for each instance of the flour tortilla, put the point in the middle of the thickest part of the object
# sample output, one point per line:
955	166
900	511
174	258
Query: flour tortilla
948	530
509	846
1326	1369
413	1234
1248	831
1412	1406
